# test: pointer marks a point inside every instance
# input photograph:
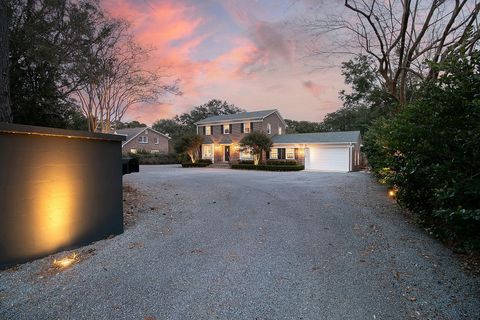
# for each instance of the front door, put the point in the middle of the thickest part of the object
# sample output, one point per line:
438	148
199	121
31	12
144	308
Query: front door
227	153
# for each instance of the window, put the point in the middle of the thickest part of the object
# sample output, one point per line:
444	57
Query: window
269	128
157	140
245	155
133	150
290	153
279	130
246	127
143	139
274	154
208	130
226	129
207	151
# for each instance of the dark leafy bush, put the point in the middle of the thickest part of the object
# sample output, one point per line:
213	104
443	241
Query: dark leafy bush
282	162
154	158
431	152
207	161
245	162
267	167
194	165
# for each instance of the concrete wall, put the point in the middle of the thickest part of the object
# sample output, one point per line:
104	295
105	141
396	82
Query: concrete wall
59	189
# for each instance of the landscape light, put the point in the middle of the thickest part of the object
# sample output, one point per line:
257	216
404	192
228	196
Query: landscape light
392	193
65	262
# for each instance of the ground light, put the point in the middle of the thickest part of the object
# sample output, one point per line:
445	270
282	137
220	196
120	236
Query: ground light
392	193
65	262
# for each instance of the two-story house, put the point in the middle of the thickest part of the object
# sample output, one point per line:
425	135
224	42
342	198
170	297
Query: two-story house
326	151
222	134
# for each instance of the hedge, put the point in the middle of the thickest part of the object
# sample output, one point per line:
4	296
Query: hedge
154	158
282	162
194	165
267	167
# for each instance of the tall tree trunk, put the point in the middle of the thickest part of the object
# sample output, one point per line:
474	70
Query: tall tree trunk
5	109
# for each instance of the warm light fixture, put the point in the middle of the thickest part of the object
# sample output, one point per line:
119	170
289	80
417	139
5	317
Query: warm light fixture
392	193
66	261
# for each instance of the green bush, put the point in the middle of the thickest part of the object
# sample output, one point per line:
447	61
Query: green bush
154	158
245	161
282	162
207	161
267	167
194	165
431	153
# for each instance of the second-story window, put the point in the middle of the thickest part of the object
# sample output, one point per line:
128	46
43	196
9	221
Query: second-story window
226	129
157	140
246	127
269	128
143	139
208	130
279	130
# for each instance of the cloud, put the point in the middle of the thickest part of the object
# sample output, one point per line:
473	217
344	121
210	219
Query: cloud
315	89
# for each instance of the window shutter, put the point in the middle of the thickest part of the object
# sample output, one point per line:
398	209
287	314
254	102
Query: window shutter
251	126
242	127
230	128
221	128
211	130
204	130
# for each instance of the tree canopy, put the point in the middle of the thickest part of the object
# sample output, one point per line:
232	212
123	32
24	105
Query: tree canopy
213	107
256	143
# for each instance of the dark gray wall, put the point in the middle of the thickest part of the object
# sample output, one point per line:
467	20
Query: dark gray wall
59	190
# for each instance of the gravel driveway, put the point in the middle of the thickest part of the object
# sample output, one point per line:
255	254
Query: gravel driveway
226	244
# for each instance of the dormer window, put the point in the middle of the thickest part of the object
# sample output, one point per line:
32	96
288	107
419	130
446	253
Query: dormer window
269	128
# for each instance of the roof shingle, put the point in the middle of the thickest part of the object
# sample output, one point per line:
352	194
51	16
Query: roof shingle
318	137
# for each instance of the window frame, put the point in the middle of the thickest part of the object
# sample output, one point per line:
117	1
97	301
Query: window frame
143	139
280	131
204	156
208	130
292	152
269	128
226	127
273	152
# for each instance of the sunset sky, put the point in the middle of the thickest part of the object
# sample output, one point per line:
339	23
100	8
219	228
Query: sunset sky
250	53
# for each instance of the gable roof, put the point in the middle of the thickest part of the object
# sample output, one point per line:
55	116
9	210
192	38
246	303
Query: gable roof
254	115
131	133
318	137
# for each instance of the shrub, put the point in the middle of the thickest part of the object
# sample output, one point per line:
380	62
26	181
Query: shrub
267	167
194	165
282	162
207	161
430	152
154	158
245	161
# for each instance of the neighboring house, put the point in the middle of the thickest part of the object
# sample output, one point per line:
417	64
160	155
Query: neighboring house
222	134
327	151
144	139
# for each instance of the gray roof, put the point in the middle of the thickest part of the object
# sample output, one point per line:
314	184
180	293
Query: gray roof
254	115
225	140
318	137
130	132
207	140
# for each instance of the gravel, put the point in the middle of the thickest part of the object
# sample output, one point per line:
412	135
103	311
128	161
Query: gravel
227	244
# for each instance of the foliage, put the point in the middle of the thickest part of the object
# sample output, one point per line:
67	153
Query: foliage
48	41
266	167
154	158
294	126
189	144
429	151
282	162
194	165
171	127
213	107
131	124
256	143
366	102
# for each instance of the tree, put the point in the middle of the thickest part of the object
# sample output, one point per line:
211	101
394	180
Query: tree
256	143
400	36
171	127
189	144
429	151
294	126
131	124
213	107
48	45
5	109
119	80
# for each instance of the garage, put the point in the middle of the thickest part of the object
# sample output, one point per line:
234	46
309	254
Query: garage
327	158
322	151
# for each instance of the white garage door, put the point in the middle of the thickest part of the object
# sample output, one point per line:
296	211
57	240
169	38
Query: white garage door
327	158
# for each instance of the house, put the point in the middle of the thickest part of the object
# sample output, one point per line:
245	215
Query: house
144	139
222	134
326	151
